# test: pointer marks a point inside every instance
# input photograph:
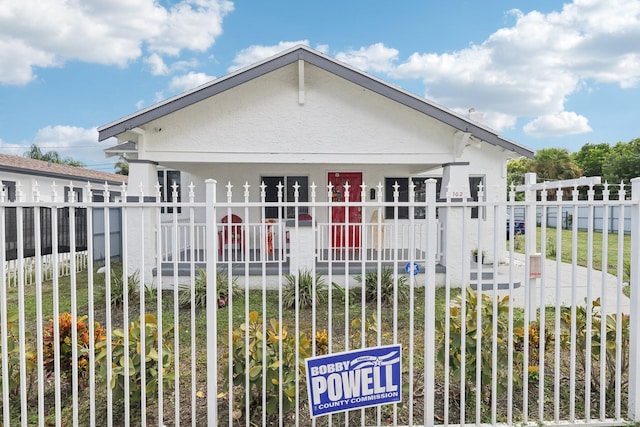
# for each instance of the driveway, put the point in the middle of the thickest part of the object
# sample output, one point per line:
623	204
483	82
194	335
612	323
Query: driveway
562	283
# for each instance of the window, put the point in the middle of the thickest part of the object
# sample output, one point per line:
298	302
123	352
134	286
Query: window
9	190
403	195
474	181
167	179
271	194
77	194
420	194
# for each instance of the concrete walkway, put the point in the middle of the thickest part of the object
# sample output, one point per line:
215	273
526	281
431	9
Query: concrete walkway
562	282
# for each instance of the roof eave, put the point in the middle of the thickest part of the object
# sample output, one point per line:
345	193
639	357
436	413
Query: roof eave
326	63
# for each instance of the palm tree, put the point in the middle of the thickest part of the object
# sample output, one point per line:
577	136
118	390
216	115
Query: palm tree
553	164
36	153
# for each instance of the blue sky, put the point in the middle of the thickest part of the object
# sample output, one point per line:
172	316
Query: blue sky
543	73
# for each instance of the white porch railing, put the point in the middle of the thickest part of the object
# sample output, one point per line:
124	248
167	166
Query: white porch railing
391	236
547	339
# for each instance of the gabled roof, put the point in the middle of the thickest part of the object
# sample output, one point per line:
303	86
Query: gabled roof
326	63
27	166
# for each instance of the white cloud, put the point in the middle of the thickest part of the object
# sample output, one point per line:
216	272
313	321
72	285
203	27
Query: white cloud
563	123
531	68
44	34
376	57
188	81
69	142
257	53
158	67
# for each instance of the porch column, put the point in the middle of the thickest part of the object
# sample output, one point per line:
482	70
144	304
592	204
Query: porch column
455	186
142	223
302	255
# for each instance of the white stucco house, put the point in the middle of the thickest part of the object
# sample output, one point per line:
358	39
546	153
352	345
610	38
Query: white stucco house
304	117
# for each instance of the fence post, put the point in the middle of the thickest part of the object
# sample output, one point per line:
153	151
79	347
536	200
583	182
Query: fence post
530	244
430	303
211	243
634	319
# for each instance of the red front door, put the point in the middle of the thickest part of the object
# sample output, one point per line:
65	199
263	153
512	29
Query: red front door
343	235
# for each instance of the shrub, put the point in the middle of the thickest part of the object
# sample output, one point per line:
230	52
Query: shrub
13	360
264	374
551	247
370	331
119	352
596	336
65	329
117	287
305	289
387	286
486	330
519	242
322	342
200	290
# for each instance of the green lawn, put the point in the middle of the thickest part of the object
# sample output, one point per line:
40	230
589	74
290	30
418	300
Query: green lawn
340	323
610	242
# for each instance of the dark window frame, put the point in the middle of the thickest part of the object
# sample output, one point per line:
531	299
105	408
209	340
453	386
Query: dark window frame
288	181
166	179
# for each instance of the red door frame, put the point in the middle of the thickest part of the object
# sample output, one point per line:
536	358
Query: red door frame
340	239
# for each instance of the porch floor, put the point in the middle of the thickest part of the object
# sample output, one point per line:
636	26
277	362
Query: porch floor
338	265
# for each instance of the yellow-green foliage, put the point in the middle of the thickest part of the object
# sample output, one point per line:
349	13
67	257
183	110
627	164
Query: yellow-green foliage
153	360
264	374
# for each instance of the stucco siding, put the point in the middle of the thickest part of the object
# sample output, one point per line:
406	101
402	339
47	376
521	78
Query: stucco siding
263	117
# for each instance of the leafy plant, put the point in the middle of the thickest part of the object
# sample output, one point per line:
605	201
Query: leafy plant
117	287
264	375
200	290
65	331
134	353
595	333
305	294
519	242
387	284
371	328
322	342
13	359
485	329
343	291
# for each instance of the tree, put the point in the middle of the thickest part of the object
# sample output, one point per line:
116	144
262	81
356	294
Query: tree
122	166
623	162
555	164
515	174
36	153
592	157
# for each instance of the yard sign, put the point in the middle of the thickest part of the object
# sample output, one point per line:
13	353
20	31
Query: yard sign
354	379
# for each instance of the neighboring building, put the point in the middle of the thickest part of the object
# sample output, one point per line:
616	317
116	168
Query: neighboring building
22	174
304	117
25	179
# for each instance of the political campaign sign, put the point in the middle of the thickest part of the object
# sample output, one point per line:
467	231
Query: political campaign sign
354	379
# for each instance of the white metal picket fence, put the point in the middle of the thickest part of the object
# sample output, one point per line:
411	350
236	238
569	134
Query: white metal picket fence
540	331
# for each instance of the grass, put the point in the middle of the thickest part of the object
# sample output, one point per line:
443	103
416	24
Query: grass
611	254
332	314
